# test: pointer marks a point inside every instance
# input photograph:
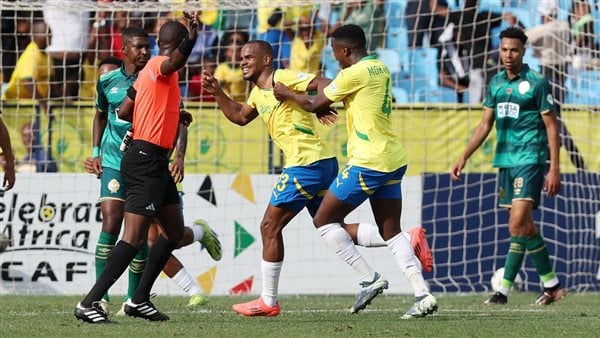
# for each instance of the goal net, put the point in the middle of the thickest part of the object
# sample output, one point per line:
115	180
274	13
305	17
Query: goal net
440	59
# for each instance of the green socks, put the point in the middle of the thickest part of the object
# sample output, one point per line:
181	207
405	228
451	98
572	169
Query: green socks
106	242
136	268
541	259
514	260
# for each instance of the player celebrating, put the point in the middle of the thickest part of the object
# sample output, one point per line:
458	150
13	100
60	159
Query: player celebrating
151	190
377	162
521	102
309	168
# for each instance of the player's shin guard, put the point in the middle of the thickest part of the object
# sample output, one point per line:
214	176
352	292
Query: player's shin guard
538	252
270	281
136	268
403	253
106	243
514	260
116	264
157	258
338	239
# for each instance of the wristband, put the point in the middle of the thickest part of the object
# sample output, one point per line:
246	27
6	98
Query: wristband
131	93
95	152
186	46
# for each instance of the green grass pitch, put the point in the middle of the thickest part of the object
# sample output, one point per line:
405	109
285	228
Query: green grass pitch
578	315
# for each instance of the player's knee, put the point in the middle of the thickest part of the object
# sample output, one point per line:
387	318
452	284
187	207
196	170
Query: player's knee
112	224
270	227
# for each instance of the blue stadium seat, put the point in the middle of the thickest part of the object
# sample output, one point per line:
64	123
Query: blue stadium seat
397	38
532	61
391	57
582	88
564	7
527	17
400	95
436	95
330	64
491	5
419	71
394	13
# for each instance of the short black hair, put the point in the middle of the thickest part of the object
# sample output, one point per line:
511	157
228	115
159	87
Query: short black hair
134	32
111	60
352	35
514	33
262	45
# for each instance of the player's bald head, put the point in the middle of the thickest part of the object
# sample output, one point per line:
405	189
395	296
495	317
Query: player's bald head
262	46
171	34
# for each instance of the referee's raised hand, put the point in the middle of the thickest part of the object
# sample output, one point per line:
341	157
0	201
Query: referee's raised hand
193	24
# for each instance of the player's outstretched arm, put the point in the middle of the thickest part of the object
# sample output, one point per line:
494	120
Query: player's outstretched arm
306	102
552	184
180	56
481	133
9	168
240	114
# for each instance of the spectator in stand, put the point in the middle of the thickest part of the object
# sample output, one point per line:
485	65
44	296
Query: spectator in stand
37	159
68	48
195	88
115	41
279	38
229	71
425	16
582	32
453	67
307	47
550	42
474	39
31	76
370	16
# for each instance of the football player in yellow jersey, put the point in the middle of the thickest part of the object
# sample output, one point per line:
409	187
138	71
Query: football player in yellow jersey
377	162
309	169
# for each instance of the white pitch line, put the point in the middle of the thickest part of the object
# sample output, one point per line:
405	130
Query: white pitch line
306	311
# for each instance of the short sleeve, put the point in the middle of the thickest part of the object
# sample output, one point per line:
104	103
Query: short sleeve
342	86
295	80
101	100
543	95
251	102
490	100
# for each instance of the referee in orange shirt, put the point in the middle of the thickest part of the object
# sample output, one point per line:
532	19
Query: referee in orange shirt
151	191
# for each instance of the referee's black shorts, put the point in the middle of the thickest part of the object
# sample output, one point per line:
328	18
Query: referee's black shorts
148	182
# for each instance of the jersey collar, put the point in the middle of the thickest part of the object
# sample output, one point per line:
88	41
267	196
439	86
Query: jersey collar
520	75
368	57
127	75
